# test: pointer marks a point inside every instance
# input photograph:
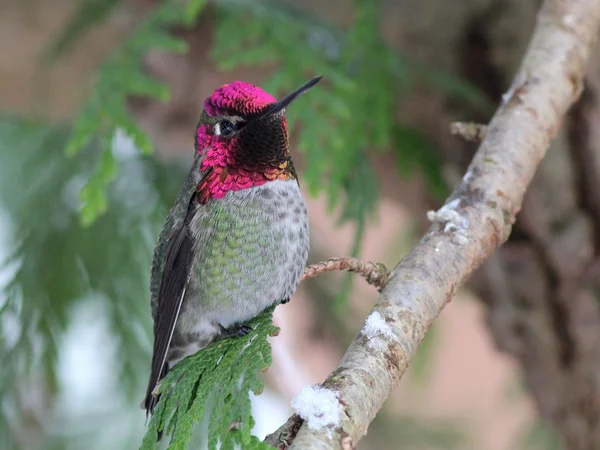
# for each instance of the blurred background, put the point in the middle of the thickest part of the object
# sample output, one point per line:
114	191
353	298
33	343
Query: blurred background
98	104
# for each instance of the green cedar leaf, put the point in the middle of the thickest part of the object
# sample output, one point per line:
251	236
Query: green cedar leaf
120	77
193	10
54	268
214	385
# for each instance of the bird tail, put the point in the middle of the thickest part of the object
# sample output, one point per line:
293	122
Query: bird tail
152	398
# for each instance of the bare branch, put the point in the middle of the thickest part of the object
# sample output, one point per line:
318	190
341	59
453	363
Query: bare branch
476	219
469	131
283	437
376	274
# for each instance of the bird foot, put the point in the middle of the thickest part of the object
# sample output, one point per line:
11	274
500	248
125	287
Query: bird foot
236	330
284	301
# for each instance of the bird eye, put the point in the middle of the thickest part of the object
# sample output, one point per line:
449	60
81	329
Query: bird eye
224	128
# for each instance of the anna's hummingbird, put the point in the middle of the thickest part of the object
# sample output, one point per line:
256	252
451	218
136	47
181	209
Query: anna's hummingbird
236	240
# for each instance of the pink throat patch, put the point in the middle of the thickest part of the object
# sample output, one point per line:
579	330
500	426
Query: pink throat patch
224	174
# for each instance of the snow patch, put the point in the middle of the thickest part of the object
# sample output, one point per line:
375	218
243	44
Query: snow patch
376	325
468	177
449	212
508	95
319	407
375	330
518	82
569	20
453	222
449	227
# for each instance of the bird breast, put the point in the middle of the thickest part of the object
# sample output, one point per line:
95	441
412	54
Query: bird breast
251	250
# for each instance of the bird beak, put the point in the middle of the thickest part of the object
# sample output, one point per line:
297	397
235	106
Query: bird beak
284	102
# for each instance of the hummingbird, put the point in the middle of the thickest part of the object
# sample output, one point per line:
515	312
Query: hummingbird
236	241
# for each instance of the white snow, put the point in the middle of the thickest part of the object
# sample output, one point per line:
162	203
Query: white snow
518	82
460	239
375	330
468	176
375	326
449	227
319	407
453	221
449	213
569	20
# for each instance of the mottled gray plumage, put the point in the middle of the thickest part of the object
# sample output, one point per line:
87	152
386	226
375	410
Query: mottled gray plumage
249	250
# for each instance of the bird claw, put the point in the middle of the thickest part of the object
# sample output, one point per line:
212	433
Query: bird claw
236	330
284	301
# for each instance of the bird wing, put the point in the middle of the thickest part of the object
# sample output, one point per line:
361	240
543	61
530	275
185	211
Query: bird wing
176	271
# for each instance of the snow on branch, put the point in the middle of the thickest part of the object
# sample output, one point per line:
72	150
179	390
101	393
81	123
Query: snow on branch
476	219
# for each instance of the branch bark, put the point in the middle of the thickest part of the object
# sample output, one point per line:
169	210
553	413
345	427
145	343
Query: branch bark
474	222
374	273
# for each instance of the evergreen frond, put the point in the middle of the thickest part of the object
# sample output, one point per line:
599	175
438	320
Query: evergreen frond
355	110
120	77
214	386
87	14
53	264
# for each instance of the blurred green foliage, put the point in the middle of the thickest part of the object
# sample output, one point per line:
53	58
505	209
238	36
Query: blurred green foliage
56	265
354	114
539	435
122	196
120	77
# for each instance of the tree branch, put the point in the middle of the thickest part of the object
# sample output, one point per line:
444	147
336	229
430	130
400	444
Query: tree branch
476	219
469	131
375	273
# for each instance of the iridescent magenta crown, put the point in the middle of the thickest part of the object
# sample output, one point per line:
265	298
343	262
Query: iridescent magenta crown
237	98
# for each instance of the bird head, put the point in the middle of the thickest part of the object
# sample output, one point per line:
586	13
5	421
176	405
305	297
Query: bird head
243	139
